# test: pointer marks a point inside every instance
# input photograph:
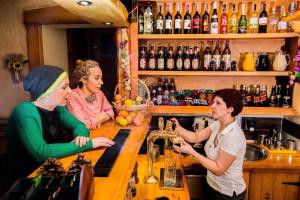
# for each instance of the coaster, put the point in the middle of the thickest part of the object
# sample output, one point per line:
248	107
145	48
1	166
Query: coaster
178	185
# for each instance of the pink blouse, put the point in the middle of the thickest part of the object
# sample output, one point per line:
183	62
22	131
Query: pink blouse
87	112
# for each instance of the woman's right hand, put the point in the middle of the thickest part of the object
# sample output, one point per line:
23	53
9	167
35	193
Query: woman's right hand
102	142
171	121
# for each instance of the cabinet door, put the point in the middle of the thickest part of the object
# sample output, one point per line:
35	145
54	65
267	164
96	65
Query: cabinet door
268	186
246	179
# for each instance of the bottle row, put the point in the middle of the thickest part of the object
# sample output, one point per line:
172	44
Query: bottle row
165	93
187	58
224	23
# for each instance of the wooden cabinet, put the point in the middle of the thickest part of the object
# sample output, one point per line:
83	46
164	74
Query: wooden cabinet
268	185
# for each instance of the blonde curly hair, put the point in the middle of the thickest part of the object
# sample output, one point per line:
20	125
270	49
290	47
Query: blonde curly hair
82	69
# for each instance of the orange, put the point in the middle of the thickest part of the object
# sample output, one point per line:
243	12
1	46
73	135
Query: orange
129	119
123	113
118	97
133	114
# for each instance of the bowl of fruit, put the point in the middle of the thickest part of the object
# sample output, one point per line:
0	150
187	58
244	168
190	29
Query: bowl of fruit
125	118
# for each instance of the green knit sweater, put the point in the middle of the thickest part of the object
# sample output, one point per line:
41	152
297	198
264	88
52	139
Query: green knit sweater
26	148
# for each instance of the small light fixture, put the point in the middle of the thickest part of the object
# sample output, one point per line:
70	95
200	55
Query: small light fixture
108	23
84	3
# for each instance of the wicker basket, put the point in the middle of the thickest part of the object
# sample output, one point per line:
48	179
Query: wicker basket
141	107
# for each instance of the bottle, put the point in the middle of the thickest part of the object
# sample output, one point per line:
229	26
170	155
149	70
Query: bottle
160	59
154	94
292	9
287	98
214	24
195	59
148	20
159	92
212	65
278	95
142	58
168	22
243	21
273	22
256	97
282	25
244	93
226	56
272	98
196	21
205	21
253	21
159	22
233	21
179	59
172	90
263	20
178	22
249	97
152	59
263	97
187	24
224	21
217	55
170	59
207	57
186	59
141	21
166	90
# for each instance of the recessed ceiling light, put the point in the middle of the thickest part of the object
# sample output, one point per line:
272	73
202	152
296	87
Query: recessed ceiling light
108	23
84	3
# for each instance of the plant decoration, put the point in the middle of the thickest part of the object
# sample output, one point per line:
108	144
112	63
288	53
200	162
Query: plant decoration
296	75
15	63
124	58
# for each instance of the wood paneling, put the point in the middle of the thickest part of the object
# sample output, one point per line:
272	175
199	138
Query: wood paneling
34	45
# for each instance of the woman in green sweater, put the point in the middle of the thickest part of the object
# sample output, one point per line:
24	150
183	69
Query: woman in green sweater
43	128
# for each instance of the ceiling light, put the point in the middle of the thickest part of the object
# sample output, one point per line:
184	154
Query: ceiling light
84	3
108	23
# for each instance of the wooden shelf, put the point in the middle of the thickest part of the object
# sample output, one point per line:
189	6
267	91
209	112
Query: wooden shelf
198	110
217	36
213	73
293	17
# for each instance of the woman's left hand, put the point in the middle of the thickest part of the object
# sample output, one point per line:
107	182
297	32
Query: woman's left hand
81	140
184	148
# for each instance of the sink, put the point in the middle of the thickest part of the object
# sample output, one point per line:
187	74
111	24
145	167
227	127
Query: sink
255	153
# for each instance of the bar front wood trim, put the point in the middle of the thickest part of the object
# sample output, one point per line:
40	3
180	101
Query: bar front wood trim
34	44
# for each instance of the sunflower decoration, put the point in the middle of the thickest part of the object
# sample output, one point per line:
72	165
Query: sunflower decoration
15	63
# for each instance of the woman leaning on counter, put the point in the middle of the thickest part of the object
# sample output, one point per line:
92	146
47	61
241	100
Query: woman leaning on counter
43	128
225	147
87	102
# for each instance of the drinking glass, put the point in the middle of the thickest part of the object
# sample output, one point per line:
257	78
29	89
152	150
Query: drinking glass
170	171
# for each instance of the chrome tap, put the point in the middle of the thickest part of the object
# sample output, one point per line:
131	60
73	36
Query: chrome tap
152	137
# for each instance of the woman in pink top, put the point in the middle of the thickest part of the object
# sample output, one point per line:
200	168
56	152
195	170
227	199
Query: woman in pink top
87	102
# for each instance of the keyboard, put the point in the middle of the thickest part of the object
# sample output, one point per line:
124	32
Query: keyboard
106	162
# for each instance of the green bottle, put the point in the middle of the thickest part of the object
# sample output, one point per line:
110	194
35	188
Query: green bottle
243	21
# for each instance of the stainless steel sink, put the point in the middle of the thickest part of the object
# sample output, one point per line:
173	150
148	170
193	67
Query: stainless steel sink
255	153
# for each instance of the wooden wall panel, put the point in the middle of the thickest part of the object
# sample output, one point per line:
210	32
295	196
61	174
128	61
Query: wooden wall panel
34	45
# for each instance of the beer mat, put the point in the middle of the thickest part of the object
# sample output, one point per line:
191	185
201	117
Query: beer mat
178	185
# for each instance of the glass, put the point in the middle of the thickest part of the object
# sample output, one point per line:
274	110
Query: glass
170	171
155	153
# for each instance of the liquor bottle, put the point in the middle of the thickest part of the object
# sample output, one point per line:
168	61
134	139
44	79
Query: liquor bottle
286	103
292	9
172	90
141	21
244	93
179	59
214	23
233	65
205	21
196	21
243	21
249	97
186	59
282	25
159	92
263	20
160	59
212	65
152	59
217	55
159	22
272	98
170	59
278	95
233	21
178	22
256	97
154	94
253	21
166	90
142	58
148	20
263	97
207	57
187	24
195	59
224	21
273	22
226	56
168	22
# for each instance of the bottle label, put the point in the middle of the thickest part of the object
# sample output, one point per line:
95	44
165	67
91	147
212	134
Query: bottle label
217	59
253	22
170	63
214	27
179	64
206	62
159	24
205	25
256	99
152	63
168	24
141	27
196	23
177	23
187	63
187	24
233	22
263	98
227	60
263	21
160	63
282	25
143	63
195	64
273	22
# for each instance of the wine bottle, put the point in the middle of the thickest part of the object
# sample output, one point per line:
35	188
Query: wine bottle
243	21
205	21
263	20
196	21
207	56
168	22
226	56
148	20
178	22
217	55
141	21
273	22
159	22
233	21
253	21
187	24
160	59
170	59
179	59
224	21
152	59
214	24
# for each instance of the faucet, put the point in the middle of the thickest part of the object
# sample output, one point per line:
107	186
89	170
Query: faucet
152	137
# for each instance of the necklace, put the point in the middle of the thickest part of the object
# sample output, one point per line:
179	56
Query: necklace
90	99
